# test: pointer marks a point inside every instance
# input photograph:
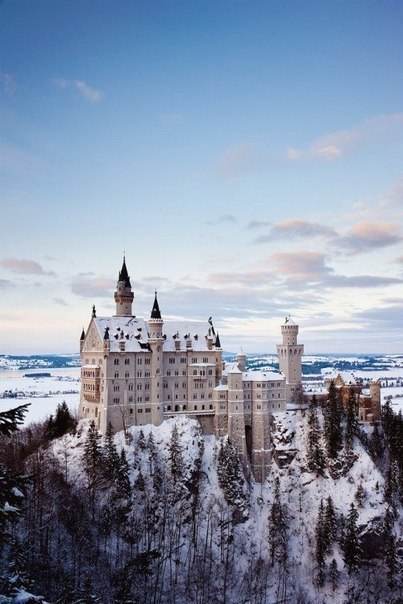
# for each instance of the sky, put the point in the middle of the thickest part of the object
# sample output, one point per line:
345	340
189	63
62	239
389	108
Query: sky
245	156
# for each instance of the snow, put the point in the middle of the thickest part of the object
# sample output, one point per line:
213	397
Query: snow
43	393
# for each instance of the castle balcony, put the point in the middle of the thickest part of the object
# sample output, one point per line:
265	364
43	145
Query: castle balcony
90	383
189	413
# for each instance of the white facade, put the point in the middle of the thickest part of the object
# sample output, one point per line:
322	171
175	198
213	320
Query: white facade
137	371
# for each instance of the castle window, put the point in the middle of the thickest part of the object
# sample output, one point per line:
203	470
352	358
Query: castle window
176	407
183	359
202	396
211	406
169	408
130	399
194	359
131	411
147	361
147	374
139	410
202	407
168	373
146	398
176	385
116	361
195	397
176	397
127	361
184	372
146	386
131	386
139	361
279	395
205	359
172	360
183	384
194	371
148	410
116	400
139	399
222	407
195	407
169	397
183	407
116	374
126	374
116	389
258	406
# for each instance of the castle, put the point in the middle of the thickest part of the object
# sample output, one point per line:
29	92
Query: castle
137	371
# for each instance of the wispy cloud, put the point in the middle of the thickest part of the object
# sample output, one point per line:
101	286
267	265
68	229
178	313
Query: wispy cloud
296	229
23	266
92	287
4	283
60	301
89	93
223	219
367	236
336	144
257	224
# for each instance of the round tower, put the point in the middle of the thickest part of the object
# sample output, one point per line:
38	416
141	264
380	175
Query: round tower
241	360
156	343
123	295
290	356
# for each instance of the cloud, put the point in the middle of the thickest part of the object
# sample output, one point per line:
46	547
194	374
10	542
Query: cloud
257	224
296	228
399	260
8	83
87	92
389	316
26	267
366	236
309	269
60	301
238	159
223	219
337	144
93	287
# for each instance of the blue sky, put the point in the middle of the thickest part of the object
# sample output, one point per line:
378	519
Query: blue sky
246	155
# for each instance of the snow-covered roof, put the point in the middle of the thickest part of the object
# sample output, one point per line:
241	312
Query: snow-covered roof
134	332
289	321
131	330
262	376
196	331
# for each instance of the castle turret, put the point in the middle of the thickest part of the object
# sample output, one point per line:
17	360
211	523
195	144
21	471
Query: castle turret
236	413
290	356
241	360
123	295
156	342
82	338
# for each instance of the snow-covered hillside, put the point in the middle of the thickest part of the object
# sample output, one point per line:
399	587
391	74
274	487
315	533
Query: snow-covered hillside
172	520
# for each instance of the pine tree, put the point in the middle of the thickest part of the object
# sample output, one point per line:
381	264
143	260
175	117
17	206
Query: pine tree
277	528
390	556
230	475
11	420
330	525
176	456
152	451
333	416
334	574
321	545
351	420
360	495
316	459
92	454
141	441
110	455
351	544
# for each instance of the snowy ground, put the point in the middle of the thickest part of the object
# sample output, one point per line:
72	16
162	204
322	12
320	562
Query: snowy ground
44	393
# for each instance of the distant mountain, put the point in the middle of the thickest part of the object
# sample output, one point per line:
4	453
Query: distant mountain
50	361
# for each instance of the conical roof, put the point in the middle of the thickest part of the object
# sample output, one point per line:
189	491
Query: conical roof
156	313
124	275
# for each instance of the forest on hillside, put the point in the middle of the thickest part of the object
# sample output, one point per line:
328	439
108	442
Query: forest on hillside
165	515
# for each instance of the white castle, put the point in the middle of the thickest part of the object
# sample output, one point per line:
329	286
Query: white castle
136	372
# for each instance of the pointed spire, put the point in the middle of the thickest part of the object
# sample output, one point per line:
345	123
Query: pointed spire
124	275
94	312
217	341
155	313
82	337
106	334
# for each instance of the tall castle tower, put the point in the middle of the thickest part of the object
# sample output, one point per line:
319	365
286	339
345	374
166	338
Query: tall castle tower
123	295
289	356
156	342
